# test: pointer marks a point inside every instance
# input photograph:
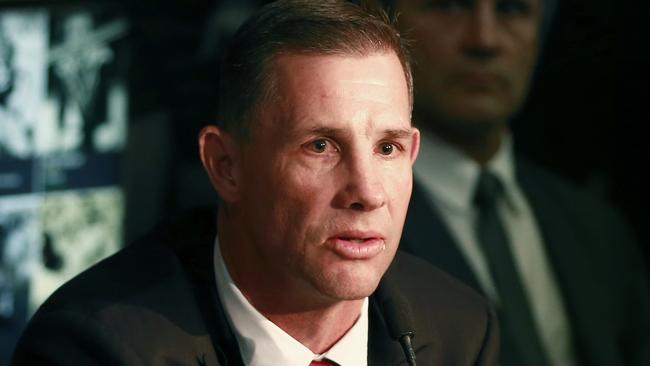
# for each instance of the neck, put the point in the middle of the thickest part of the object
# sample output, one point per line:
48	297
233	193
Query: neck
313	319
479	148
319	329
480	144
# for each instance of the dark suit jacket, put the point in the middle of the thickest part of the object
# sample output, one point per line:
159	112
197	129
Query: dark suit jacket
155	303
593	255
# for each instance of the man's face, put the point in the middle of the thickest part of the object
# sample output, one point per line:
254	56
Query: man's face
474	57
327	174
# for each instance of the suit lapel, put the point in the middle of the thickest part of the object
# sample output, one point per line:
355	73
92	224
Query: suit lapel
427	236
193	240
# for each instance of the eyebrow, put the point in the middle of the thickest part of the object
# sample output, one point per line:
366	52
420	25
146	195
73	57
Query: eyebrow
401	133
328	131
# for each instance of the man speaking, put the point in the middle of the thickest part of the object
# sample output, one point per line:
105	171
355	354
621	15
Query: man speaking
312	163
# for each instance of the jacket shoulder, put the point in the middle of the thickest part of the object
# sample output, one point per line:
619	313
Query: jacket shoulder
537	180
133	308
459	322
593	224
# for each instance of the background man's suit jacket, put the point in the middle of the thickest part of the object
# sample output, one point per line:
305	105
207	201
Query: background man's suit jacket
155	303
593	255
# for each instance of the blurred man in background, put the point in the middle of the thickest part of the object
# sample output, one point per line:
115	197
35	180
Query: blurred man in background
561	268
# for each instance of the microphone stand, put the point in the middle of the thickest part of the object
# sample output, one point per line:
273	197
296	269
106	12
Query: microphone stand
398	317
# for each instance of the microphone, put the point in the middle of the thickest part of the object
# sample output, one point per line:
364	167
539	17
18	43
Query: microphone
398	316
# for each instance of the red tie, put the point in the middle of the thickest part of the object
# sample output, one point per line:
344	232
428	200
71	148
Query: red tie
323	362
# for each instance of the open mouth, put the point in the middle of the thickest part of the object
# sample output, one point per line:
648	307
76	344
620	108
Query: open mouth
356	240
357	246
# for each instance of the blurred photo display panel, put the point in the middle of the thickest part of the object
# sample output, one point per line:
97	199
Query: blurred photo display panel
63	127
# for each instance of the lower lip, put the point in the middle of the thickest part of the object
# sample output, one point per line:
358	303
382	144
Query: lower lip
357	250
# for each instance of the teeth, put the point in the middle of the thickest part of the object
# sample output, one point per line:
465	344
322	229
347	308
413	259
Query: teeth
355	240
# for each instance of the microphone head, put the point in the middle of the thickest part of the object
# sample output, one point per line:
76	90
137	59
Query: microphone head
396	310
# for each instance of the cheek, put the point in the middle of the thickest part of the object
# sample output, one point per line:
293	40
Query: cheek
525	61
266	195
529	59
301	194
398	183
523	44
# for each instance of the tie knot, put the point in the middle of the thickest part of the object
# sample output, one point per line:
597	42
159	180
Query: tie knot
488	189
323	362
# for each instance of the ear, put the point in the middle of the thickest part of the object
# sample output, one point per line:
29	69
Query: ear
220	157
415	145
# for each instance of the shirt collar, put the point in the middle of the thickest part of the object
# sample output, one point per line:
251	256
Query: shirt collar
451	176
261	342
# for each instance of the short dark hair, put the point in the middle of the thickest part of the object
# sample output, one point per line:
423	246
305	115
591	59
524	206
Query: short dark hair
327	27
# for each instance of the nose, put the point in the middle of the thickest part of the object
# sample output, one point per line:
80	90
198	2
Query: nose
362	188
481	37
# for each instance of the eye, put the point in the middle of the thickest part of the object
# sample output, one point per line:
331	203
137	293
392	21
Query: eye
386	148
319	146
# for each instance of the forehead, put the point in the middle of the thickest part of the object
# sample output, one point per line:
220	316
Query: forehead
334	85
292	65
313	76
325	71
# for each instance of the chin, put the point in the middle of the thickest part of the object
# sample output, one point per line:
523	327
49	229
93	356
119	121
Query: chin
472	118
349	283
481	108
349	292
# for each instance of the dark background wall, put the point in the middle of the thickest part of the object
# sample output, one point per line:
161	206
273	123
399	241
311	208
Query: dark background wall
588	105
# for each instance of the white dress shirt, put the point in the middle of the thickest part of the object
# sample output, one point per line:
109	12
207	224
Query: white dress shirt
449	178
262	343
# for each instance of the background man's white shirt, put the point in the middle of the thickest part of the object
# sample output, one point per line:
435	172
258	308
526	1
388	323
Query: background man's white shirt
449	178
